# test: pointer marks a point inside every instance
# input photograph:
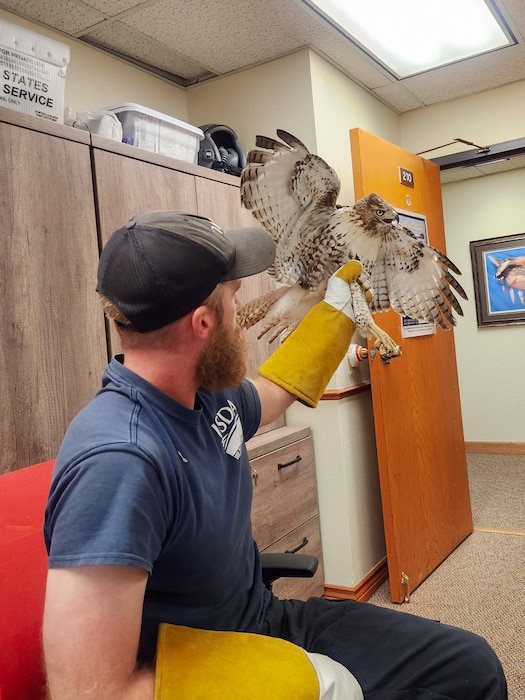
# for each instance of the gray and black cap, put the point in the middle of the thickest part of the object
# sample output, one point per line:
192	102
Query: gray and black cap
162	264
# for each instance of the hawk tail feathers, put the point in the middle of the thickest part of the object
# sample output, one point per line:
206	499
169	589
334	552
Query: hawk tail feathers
253	311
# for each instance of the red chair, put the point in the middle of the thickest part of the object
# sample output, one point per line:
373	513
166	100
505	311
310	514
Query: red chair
23	570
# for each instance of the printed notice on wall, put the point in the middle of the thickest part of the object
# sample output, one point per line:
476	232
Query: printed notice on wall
417	224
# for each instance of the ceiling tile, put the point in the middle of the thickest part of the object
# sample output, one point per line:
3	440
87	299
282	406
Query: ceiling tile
127	41
514	13
468	77
114	7
68	16
397	96
218	34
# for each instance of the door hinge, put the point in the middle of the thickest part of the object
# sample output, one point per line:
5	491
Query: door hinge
405	581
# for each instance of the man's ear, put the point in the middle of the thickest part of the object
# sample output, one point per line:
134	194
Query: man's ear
203	321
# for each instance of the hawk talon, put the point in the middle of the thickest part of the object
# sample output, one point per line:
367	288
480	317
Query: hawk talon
387	356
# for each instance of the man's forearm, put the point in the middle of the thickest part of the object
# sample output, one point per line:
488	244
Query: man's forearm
140	686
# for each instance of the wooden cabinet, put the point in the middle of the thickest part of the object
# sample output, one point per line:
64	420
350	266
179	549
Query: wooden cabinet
285	511
52	340
63	192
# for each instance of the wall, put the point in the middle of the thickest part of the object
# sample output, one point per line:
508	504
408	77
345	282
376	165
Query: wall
344	439
340	105
489	359
259	100
486	118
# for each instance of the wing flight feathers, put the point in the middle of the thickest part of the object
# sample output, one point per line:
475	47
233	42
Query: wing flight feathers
279	185
415	280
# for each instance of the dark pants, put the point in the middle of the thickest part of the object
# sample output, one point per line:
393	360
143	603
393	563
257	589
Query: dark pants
394	655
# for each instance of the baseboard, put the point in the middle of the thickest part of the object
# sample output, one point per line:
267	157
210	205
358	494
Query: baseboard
496	448
364	588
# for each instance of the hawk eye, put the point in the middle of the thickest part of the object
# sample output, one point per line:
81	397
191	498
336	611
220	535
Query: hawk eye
380	212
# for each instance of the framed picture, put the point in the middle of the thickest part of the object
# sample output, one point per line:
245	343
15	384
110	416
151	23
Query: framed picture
498	266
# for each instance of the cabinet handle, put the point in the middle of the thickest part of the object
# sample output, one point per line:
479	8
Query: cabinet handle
299	546
289	464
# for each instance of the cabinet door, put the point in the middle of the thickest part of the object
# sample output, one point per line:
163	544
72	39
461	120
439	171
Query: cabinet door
52	343
126	187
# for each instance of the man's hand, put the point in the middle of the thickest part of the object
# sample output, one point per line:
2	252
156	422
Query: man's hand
305	362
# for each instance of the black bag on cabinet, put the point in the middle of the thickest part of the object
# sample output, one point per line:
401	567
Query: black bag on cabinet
220	149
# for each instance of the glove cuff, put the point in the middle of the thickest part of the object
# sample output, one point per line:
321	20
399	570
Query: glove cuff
306	361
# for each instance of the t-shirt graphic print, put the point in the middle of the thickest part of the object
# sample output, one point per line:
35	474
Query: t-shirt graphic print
228	427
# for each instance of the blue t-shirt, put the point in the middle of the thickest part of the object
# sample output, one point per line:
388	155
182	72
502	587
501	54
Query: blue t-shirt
142	481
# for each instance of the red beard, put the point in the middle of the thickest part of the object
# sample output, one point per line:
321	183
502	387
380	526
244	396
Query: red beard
223	361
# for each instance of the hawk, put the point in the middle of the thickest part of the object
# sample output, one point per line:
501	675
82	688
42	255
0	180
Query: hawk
293	194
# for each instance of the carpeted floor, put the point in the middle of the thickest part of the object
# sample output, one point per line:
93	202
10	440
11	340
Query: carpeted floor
481	585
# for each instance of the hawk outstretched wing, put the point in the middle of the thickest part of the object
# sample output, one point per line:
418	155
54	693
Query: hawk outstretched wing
293	194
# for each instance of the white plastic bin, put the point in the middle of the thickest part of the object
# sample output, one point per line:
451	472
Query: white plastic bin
158	132
33	72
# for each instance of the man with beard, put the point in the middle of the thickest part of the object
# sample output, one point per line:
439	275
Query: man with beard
148	517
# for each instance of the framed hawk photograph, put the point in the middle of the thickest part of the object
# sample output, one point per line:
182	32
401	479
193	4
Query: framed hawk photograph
498	267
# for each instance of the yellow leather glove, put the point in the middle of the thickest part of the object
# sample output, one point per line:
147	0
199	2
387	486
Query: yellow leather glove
306	361
194	664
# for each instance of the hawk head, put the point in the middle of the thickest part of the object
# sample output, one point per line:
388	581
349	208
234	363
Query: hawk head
374	211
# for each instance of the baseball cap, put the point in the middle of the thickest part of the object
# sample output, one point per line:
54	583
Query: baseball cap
162	264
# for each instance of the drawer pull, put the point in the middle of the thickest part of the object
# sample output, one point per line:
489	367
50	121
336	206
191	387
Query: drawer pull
299	546
289	464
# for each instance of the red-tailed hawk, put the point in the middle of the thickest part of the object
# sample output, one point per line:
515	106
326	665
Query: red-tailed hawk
293	194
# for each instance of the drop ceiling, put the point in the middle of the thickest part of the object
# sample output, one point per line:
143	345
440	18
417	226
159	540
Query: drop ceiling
188	41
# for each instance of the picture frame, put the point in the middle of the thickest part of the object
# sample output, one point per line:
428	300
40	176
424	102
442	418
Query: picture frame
416	224
498	268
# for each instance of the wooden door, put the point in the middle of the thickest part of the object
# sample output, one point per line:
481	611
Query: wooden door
52	348
416	403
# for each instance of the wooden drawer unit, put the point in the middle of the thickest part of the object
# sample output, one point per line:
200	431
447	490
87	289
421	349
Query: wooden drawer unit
285	512
306	539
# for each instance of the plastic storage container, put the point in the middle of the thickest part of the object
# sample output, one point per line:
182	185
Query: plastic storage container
158	132
32	72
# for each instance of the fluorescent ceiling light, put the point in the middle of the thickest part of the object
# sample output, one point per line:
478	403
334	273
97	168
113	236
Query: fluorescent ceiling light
412	36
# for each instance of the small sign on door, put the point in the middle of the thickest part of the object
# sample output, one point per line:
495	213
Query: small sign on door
406	177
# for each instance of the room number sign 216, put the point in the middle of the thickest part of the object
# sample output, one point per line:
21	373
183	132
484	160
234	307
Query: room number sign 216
406	177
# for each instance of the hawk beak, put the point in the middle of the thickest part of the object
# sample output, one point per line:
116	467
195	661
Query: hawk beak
394	216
